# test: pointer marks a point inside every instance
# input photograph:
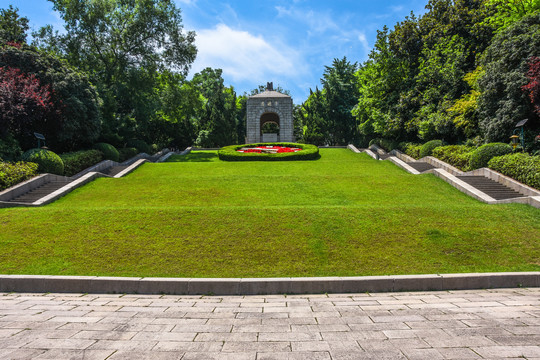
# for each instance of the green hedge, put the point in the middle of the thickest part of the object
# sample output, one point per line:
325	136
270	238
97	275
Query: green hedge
128	153
48	161
109	151
427	148
481	156
140	145
385	144
14	173
521	167
411	149
308	152
455	155
75	162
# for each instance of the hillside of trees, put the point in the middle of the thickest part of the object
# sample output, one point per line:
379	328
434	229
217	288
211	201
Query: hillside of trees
464	72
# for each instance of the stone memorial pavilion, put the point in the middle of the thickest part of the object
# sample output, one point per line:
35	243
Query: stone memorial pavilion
269	107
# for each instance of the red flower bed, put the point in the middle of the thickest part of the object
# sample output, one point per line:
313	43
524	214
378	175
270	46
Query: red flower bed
268	149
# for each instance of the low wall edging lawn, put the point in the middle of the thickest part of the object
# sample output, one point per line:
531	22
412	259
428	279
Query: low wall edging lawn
265	286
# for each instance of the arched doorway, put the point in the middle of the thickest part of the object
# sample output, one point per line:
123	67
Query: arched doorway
269	125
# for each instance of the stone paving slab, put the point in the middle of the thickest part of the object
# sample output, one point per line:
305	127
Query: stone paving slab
460	324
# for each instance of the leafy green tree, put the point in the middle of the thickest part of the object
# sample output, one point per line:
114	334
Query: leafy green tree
502	102
340	90
315	125
74	120
123	45
13	28
508	12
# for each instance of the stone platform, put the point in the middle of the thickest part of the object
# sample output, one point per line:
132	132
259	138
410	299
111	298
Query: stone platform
467	324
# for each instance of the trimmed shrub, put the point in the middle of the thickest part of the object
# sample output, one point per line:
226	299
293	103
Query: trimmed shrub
520	166
9	148
308	152
128	153
481	156
427	148
140	145
48	161
385	144
411	149
14	173
455	155
76	162
109	151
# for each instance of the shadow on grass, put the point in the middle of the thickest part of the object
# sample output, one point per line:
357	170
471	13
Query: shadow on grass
195	157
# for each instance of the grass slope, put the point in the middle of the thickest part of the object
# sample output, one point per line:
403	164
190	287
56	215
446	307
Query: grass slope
344	214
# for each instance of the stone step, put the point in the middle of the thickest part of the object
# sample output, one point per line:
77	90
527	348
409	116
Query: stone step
39	192
490	187
113	170
421	166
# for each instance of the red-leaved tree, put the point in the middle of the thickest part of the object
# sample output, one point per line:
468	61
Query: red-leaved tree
533	87
24	102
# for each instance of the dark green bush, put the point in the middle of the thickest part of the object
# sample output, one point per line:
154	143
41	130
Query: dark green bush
427	148
411	149
128	153
521	167
308	152
76	162
455	155
48	161
140	145
109	151
9	148
14	173
481	156
385	144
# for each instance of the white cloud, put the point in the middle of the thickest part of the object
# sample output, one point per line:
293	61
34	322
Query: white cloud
363	40
243	56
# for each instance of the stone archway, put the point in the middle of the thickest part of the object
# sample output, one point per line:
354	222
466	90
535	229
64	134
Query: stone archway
269	118
269	106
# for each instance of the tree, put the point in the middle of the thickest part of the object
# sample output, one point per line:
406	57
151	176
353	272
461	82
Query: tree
341	94
123	45
23	101
533	87
74	120
508	12
13	28
502	102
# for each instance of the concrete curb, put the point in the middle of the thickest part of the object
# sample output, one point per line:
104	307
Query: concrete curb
265	286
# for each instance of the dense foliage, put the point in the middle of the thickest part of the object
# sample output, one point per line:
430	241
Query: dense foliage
108	150
522	167
481	156
14	173
48	161
455	155
457	73
76	162
427	148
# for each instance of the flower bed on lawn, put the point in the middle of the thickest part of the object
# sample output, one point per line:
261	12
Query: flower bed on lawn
268	149
269	152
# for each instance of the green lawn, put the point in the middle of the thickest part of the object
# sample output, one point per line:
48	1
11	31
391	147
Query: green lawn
196	216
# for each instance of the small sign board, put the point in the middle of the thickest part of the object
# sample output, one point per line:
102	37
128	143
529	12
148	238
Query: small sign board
522	122
39	136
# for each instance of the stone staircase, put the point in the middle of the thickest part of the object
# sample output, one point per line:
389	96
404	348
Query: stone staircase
39	192
421	166
483	184
114	170
35	191
491	188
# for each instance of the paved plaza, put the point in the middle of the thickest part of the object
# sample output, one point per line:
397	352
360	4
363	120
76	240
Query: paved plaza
483	324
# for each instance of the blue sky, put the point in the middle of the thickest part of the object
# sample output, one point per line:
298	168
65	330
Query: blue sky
287	42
